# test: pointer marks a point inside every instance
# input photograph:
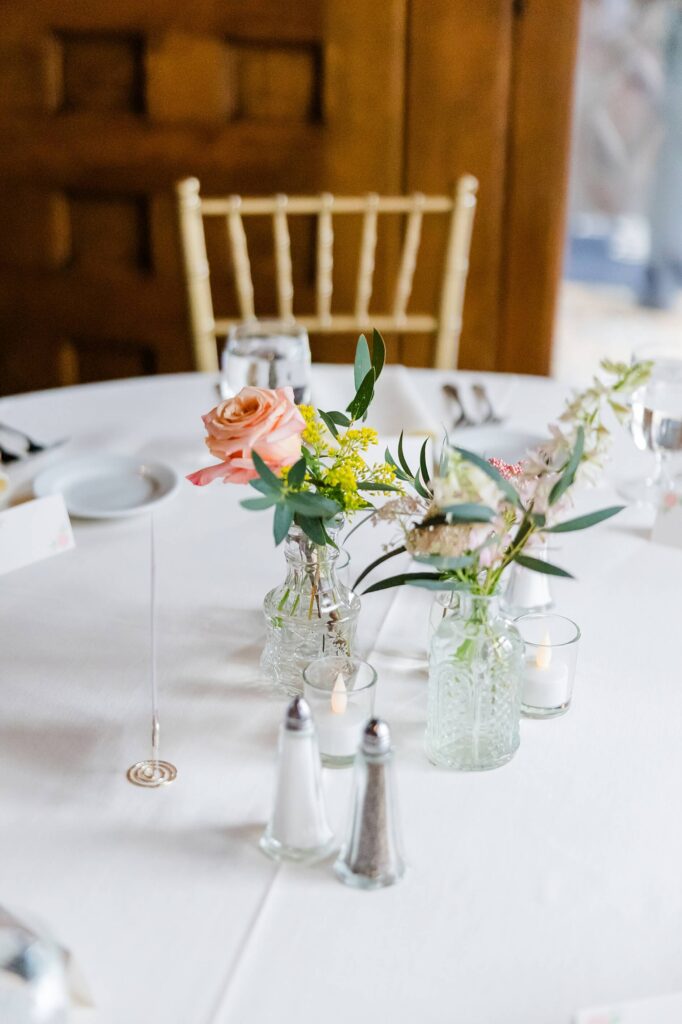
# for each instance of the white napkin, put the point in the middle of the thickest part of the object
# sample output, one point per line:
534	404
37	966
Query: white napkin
404	633
657	1010
397	405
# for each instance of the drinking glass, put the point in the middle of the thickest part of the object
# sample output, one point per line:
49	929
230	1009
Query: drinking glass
266	354
666	357
656	425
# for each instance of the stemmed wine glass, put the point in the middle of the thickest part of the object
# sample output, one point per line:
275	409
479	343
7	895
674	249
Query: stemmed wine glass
656	425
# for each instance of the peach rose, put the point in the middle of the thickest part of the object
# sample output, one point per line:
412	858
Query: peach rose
257	419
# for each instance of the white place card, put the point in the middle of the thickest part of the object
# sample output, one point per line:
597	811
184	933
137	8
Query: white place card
668	524
33	531
658	1010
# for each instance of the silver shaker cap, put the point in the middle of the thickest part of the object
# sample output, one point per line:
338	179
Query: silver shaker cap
298	717
376	737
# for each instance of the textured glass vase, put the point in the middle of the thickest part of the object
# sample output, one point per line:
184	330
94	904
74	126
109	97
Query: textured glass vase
475	677
310	614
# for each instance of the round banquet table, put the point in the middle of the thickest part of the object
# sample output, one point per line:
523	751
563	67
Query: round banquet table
545	886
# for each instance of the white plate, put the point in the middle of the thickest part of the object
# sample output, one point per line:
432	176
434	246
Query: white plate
108	486
495	442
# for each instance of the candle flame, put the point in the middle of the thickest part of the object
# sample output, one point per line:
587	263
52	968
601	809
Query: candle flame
543	658
339	695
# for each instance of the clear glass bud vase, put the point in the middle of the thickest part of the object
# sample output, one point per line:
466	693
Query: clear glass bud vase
475	676
310	614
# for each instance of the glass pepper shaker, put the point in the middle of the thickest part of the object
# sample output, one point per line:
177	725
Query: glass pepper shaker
371	857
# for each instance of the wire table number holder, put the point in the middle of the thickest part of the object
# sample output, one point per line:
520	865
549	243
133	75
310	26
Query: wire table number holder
153	772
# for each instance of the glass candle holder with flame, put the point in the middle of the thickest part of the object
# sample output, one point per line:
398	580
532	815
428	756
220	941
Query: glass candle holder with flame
551	652
340	691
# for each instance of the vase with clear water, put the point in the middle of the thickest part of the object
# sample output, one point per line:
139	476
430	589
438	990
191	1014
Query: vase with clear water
311	613
475	678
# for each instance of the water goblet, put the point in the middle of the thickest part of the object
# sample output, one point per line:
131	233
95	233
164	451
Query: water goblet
266	354
656	425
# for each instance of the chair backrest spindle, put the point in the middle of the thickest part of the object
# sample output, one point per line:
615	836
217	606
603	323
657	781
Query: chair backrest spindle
408	261
285	285
455	273
195	264
368	245
240	257
325	258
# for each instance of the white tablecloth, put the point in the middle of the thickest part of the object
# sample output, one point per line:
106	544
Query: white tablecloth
550	884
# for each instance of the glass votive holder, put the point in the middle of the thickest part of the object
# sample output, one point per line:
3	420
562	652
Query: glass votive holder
340	691
551	643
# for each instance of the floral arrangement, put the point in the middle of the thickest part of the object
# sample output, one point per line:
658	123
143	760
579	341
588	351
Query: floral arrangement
307	464
476	517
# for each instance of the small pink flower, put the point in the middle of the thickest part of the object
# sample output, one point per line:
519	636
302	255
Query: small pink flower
257	419
670	500
507	469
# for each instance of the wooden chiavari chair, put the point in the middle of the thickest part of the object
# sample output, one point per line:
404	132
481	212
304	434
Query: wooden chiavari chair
446	324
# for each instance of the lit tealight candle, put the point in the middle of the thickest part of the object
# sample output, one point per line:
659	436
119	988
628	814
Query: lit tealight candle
339	727
545	685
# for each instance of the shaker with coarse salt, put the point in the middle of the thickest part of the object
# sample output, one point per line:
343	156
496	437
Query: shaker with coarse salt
298	829
372	857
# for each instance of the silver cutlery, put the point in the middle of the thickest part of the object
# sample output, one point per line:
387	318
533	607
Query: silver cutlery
6	457
484	403
33	447
460	418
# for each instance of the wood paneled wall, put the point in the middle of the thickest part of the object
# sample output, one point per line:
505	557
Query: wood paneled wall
103	106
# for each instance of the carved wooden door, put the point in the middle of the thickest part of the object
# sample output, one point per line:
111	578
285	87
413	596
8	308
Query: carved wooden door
104	105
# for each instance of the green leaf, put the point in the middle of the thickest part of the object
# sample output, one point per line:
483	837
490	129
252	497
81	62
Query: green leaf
259	503
401	456
398	581
264	488
438	584
378	352
363	361
264	472
469	513
504	485
419	488
340	418
283	519
377	561
297	473
583	522
426	476
370	485
316	505
568	475
446	563
330	540
537	565
312	527
358	407
400	473
328	422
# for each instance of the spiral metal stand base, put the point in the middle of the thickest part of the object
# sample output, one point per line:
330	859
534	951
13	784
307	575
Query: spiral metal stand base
152	774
